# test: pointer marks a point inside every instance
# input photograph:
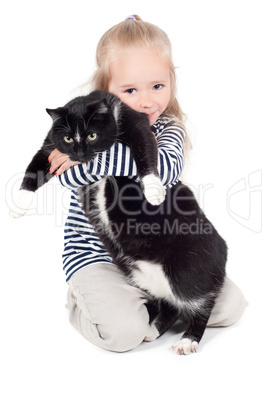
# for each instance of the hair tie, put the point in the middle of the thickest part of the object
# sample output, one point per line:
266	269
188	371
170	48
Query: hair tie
131	17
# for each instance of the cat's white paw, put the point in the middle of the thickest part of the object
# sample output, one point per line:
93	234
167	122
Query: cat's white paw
153	189
22	203
185	346
153	335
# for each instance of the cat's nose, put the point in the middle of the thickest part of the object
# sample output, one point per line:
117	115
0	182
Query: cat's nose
81	156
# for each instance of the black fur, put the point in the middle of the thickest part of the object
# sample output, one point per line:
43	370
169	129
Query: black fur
104	114
176	234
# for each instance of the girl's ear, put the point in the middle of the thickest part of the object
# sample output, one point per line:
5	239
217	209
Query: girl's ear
56	113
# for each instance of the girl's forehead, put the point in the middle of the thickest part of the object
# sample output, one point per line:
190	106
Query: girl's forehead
136	62
142	51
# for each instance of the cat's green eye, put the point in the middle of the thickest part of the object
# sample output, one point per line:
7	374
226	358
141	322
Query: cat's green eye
68	139
92	136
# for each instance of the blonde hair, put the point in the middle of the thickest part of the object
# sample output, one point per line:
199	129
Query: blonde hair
136	32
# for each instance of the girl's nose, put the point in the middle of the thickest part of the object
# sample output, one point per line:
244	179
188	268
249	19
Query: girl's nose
145	101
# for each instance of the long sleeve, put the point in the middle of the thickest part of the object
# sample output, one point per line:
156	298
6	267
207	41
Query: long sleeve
82	246
171	151
118	161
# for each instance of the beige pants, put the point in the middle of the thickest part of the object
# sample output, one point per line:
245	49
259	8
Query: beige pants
112	314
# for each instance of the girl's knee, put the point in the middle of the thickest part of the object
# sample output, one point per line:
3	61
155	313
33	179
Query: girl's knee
106	310
121	339
115	337
115	330
229	306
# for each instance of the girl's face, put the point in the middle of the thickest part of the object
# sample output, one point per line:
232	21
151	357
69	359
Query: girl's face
141	79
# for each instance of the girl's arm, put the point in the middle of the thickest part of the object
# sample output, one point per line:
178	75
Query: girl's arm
171	154
118	161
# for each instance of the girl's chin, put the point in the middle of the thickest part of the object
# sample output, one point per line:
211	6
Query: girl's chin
153	118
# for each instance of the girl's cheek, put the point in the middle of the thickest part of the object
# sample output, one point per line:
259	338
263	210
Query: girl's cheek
129	102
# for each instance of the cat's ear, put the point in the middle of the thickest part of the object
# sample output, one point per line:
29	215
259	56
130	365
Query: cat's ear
98	109
102	107
56	113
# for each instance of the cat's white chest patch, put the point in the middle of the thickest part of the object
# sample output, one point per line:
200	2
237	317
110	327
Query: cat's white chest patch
150	277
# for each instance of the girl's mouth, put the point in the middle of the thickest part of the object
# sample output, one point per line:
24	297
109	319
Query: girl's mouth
149	115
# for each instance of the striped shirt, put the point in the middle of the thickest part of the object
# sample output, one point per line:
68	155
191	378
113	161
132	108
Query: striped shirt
82	246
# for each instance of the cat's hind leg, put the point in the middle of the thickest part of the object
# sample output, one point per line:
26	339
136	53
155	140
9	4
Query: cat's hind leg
185	346
194	332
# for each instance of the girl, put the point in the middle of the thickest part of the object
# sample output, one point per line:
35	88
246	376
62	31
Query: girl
133	62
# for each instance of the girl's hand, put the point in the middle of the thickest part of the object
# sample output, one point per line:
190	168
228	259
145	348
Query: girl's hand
59	162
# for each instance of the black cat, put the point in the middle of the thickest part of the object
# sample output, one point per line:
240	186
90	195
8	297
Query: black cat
169	249
88	125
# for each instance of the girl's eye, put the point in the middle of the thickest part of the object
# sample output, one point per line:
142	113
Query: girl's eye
158	86
130	91
92	136
68	140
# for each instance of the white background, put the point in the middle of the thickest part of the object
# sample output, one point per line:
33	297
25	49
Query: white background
47	50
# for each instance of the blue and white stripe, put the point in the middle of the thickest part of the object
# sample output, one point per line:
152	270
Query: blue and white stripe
82	246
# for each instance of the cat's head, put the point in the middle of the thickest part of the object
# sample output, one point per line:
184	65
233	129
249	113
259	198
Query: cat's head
82	128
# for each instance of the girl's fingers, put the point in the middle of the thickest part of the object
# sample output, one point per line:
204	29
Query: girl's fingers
66	165
59	162
57	159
